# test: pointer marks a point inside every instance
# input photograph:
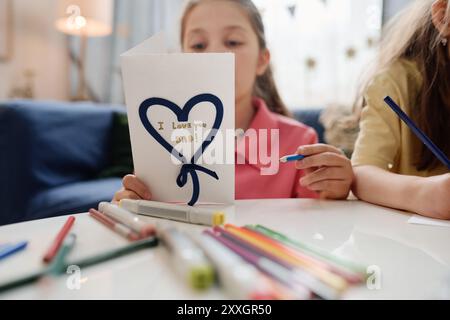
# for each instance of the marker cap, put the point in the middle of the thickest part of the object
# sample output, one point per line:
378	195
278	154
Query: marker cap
206	216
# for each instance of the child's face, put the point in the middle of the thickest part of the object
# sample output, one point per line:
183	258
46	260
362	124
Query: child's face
222	26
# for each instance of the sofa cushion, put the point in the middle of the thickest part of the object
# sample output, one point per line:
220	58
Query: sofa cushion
311	117
120	155
46	144
72	198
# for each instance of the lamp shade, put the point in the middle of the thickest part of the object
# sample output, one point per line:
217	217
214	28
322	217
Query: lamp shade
92	18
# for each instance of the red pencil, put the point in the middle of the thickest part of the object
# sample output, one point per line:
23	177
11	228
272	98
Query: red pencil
114	225
51	253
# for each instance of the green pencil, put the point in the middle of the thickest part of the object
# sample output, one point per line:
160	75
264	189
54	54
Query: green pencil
59	266
114	253
32	277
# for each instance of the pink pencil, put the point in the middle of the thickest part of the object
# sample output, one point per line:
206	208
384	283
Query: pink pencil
53	250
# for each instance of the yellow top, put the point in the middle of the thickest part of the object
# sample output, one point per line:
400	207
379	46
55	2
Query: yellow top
384	140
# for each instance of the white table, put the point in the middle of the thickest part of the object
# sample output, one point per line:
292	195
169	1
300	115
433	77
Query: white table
414	260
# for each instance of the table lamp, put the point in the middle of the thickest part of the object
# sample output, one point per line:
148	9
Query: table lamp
84	18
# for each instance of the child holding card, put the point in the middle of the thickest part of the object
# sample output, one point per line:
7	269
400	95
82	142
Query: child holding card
236	26
392	167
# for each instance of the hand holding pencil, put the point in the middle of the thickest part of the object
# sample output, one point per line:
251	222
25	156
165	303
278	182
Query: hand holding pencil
327	171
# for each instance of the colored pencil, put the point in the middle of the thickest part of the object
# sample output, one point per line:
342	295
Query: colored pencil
325	275
82	263
8	250
52	251
351	267
349	275
265	265
297	274
115	253
27	279
291	157
419	133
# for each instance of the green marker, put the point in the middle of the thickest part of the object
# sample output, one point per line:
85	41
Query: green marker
58	265
352	267
189	260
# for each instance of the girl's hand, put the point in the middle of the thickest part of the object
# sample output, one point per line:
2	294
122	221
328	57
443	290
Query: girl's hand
327	171
133	188
433	197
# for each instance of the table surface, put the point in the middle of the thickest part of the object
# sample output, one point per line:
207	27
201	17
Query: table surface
413	260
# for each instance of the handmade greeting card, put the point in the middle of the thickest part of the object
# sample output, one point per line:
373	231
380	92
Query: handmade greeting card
181	115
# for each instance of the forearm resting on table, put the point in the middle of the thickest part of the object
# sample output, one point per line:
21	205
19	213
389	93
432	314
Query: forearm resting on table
378	186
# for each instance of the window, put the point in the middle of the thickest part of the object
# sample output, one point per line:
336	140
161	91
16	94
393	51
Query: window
320	47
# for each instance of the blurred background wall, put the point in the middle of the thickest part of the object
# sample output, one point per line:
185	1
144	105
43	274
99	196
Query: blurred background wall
41	67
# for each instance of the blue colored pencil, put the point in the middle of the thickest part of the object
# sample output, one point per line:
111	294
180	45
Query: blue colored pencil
292	157
419	133
8	250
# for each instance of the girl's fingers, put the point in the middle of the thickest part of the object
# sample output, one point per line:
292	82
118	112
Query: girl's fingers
125	194
331	189
132	183
312	149
299	165
325	185
327	195
325	173
327	159
309	171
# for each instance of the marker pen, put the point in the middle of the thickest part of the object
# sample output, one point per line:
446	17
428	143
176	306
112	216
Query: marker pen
127	218
188	259
172	211
240	279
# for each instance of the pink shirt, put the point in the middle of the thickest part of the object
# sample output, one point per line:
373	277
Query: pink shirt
250	184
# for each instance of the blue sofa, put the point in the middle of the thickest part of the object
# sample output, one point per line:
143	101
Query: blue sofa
51	154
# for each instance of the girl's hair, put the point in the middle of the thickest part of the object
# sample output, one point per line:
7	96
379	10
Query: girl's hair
265	86
412	35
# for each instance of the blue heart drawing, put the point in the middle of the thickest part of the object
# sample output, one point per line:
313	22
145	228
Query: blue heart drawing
183	116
